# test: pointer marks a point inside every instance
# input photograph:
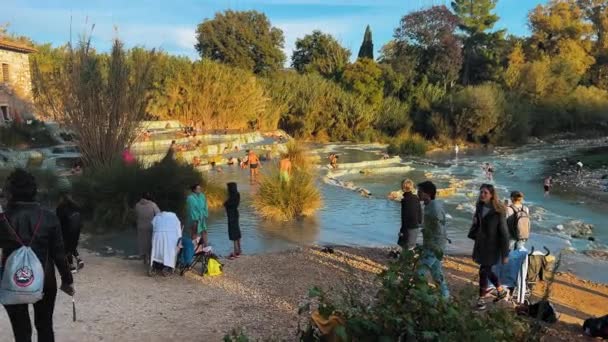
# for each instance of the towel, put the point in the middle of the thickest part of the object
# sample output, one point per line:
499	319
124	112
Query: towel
166	234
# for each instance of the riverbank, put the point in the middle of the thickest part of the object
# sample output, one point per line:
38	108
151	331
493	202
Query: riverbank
116	301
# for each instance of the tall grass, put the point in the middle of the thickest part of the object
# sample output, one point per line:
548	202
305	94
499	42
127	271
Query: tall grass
283	201
414	145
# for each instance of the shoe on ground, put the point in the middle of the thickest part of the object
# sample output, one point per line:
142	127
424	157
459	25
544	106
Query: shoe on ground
503	294
481	304
80	264
73	269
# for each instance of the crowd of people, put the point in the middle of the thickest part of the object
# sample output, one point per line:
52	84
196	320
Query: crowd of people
497	228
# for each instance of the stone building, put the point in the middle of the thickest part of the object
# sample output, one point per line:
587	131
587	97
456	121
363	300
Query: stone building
15	81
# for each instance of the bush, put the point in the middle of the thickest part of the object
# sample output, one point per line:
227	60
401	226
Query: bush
476	110
108	194
394	116
406	308
279	200
410	145
19	134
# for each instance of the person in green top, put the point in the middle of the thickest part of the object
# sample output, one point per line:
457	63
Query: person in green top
197	213
434	236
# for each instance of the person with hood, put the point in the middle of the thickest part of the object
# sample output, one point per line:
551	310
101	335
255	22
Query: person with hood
411	216
491	235
145	210
232	211
26	221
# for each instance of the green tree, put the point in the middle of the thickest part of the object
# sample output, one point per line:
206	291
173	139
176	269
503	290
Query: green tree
393	117
428	37
367	46
481	47
244	39
364	79
320	52
476	111
596	12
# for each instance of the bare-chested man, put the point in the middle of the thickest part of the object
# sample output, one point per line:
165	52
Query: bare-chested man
254	165
285	168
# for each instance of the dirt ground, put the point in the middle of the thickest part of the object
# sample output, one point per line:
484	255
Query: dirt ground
117	301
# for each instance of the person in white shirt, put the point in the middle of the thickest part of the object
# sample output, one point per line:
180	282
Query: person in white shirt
517	205
579	167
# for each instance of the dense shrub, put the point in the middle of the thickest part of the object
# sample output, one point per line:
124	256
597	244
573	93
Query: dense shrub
108	194
393	117
476	111
21	134
406	308
409	145
279	200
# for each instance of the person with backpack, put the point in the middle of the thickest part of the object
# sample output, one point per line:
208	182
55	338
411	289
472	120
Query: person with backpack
32	246
68	213
491	236
518	221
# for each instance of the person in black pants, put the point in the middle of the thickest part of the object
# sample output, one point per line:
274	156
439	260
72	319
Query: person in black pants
23	214
411	216
68	213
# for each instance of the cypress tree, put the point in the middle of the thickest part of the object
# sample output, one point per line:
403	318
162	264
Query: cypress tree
367	47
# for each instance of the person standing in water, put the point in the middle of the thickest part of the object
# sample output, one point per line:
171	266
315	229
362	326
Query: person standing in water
548	184
232	211
285	168
411	216
254	165
456	149
491	235
197	213
434	236
579	167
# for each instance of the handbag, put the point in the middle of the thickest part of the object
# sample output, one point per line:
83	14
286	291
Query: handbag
473	232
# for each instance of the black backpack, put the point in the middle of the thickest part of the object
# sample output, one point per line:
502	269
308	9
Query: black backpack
596	327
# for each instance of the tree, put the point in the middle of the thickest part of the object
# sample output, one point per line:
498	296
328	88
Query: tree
428	36
367	46
242	39
476	110
320	52
480	46
596	12
103	98
364	79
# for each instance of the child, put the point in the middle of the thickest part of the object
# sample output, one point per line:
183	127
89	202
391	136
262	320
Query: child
232	211
434	236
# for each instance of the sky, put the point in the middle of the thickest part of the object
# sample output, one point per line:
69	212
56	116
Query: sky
170	24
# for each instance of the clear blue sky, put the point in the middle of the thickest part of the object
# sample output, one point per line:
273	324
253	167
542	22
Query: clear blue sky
170	24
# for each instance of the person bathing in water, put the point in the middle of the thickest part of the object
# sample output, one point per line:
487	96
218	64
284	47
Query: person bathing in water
285	168
548	184
254	165
333	161
489	170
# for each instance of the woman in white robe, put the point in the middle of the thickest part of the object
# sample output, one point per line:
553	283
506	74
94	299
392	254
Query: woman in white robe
165	237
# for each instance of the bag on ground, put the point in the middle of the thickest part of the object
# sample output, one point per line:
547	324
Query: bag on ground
22	279
214	267
519	224
596	327
544	311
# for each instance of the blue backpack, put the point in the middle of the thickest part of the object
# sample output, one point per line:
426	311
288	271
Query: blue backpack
22	279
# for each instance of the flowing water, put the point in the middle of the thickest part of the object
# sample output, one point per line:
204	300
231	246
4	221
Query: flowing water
347	218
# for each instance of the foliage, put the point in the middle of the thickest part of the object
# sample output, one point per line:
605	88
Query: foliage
244	39
47	64
367	46
236	336
109	193
476	111
320	52
363	79
393	117
314	108
21	134
103	98
406	308
215	96
429	37
414	145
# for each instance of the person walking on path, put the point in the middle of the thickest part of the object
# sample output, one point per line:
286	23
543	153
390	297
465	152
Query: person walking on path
285	169
547	185
26	221
70	219
197	213
434	236
518	221
489	230
145	210
232	211
411	216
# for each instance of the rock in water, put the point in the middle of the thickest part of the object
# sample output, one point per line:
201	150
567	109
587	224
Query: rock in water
575	229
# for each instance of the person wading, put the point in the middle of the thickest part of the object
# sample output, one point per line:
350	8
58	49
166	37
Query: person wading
26	222
411	216
489	230
285	168
254	165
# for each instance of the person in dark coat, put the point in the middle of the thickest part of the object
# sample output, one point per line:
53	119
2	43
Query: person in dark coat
411	216
491	235
68	213
40	229
232	211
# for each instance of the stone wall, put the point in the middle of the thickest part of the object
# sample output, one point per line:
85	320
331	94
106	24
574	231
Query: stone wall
19	72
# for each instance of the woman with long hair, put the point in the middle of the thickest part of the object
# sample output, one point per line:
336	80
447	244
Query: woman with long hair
491	235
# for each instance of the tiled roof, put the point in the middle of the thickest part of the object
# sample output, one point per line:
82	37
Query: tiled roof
6	44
